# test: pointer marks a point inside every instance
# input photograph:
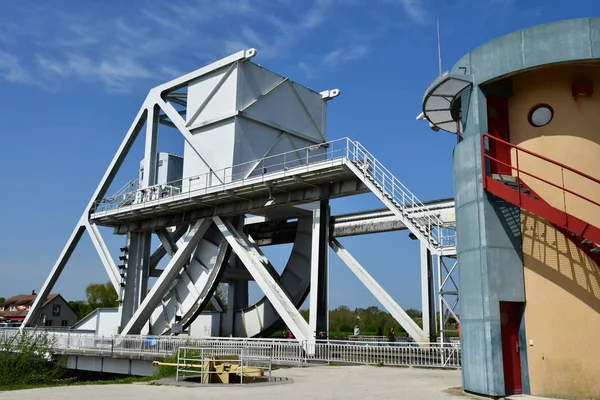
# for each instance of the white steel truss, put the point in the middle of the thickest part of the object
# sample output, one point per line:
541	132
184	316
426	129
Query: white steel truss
258	265
448	296
409	325
346	163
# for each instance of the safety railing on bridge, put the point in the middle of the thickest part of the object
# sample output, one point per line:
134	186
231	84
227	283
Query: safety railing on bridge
439	234
283	351
291	163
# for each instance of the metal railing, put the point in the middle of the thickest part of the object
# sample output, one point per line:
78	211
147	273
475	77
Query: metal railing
434	355
251	171
214	363
438	234
294	162
572	181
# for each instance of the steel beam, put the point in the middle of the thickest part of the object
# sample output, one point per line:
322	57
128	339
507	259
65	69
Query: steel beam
236	208
212	93
150	152
206	294
99	193
427	295
380	294
104	254
168	242
176	119
390	204
54	274
162	284
160	252
185	79
447	287
319	271
251	257
137	272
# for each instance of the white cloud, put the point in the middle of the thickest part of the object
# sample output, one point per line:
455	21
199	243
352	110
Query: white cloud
308	71
414	9
12	70
341	55
170	72
233	46
97	44
253	38
316	15
114	72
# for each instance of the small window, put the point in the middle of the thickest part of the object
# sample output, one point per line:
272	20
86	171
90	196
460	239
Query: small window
160	163
48	322
64	322
540	115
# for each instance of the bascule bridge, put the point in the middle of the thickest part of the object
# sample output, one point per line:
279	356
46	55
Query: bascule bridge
257	169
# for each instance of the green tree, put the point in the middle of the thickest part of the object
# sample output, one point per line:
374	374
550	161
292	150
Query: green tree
101	295
2	300
81	308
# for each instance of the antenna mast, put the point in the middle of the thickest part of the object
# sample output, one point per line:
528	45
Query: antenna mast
437	17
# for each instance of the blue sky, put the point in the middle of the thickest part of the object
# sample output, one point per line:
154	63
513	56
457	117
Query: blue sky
73	74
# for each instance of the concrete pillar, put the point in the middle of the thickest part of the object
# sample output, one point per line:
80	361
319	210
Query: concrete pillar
489	256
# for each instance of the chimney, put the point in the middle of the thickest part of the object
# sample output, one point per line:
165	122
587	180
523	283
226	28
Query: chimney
33	293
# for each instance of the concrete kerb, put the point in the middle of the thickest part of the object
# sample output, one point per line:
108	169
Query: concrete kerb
191	384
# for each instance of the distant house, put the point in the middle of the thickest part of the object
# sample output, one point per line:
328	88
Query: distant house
55	312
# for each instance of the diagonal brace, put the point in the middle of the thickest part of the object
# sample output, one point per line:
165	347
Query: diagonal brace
151	301
160	252
180	124
250	257
105	257
380	294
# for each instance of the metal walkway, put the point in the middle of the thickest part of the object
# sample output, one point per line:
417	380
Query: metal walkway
346	168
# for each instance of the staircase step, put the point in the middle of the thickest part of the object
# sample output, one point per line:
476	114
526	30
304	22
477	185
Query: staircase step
507	179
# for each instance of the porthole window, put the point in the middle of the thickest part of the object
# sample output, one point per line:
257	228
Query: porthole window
541	115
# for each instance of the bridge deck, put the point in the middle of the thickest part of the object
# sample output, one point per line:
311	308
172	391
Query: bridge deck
297	184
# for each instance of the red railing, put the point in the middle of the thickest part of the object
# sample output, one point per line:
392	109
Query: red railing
521	197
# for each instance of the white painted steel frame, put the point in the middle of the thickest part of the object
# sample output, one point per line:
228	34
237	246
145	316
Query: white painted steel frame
149	114
141	315
315	266
99	193
260	269
448	295
380	294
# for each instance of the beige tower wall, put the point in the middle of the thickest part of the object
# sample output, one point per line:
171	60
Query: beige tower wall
562	313
562	284
571	138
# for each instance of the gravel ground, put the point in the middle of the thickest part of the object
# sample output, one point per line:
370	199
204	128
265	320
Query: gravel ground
324	382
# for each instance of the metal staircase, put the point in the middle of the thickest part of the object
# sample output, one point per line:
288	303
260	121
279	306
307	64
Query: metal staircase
514	190
418	218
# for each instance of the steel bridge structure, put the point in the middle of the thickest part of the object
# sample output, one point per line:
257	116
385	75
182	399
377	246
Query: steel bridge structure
257	170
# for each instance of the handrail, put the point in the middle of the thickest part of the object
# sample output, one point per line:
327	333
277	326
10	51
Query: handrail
519	148
400	193
438	234
541	157
435	354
